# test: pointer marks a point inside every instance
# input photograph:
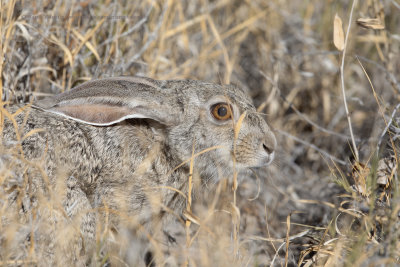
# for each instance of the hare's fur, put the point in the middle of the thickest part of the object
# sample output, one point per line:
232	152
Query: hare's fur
116	145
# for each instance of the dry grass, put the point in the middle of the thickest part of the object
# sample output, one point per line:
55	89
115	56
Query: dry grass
317	205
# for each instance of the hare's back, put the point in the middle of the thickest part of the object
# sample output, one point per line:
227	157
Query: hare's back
55	143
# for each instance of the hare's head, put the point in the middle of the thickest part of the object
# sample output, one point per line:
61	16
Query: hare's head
219	120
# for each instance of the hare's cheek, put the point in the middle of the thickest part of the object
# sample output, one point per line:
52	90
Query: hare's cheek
244	155
225	153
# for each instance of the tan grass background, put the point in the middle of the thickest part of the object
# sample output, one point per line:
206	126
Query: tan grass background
283	53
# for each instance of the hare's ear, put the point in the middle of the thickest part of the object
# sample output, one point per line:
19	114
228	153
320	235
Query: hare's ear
108	101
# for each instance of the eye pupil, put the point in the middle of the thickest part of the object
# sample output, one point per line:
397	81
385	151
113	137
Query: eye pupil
222	111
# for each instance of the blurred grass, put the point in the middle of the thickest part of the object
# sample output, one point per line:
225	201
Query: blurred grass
282	52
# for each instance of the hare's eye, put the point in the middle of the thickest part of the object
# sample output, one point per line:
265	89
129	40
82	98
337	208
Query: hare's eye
221	111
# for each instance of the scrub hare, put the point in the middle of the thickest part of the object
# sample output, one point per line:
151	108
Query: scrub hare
117	145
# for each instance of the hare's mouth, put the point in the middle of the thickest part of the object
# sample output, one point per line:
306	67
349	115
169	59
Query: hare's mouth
270	159
262	160
266	159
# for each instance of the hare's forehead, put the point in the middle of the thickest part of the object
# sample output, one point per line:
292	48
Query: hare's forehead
229	94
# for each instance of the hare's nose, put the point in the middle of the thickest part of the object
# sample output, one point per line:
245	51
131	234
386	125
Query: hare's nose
268	149
269	143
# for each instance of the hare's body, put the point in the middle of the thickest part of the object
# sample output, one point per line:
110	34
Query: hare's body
116	146
98	160
96	171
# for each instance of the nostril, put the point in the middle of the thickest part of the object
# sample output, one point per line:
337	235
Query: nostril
268	149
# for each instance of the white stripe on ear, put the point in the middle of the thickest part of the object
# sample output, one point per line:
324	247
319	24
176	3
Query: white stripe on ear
97	115
131	116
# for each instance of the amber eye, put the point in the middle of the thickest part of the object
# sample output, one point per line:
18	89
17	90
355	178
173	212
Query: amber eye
221	111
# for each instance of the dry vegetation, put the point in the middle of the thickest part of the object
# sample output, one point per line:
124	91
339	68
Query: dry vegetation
323	202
